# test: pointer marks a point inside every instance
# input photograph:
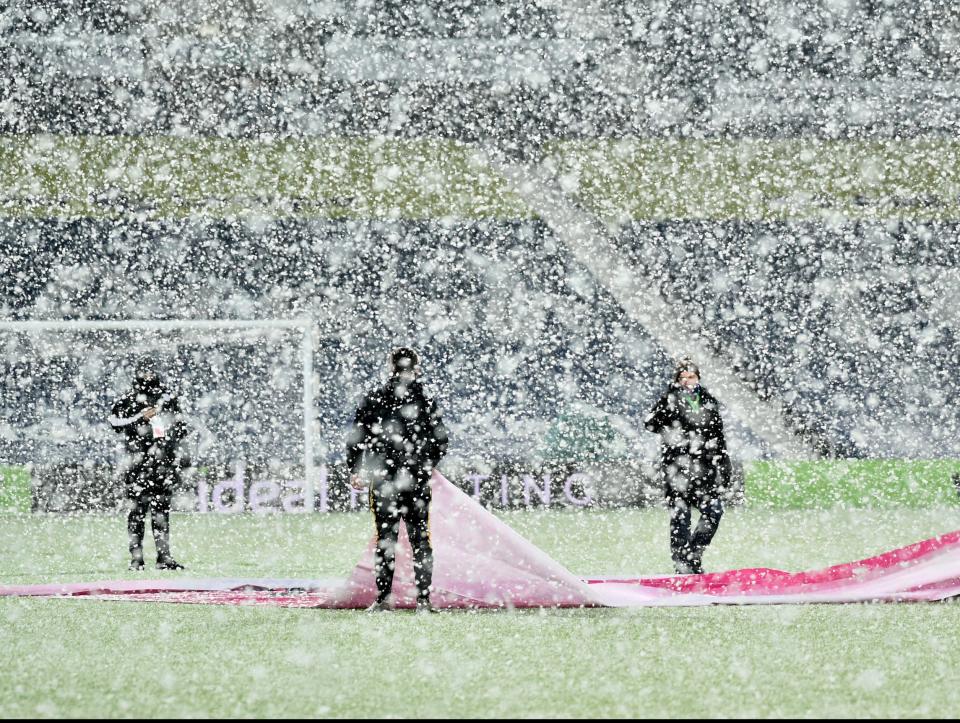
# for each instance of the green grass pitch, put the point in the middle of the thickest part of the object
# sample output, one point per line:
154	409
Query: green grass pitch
71	658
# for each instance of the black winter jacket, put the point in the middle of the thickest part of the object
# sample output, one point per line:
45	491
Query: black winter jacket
690	431
398	427
154	440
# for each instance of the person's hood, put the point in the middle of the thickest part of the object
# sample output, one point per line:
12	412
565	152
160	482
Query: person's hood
151	387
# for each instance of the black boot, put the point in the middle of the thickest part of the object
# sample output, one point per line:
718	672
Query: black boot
683	567
696	562
136	555
424	605
683	560
168	563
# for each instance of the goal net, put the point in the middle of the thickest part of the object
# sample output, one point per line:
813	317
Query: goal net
246	389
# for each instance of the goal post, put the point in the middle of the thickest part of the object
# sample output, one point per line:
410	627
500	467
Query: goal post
305	326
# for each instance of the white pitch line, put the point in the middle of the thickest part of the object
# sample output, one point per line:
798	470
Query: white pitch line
585	238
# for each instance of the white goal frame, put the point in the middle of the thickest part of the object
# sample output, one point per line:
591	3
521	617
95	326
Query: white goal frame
304	325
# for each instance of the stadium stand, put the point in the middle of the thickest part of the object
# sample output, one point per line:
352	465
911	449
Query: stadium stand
515	333
517	71
848	325
506	305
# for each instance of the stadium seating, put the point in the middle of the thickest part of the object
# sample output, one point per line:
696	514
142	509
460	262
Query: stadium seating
513	324
515	334
848	325
507	70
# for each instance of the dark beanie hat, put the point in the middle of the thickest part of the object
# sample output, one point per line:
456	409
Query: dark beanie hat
685	365
146	365
404	359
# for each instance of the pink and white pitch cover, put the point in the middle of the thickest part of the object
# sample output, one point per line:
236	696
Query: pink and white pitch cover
480	562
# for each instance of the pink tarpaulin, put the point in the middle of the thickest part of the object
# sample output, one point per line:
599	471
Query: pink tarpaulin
480	562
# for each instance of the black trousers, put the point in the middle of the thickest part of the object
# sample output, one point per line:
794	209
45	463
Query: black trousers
405	499
688	488
149	490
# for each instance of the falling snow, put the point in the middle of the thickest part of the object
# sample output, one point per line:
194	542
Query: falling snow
553	202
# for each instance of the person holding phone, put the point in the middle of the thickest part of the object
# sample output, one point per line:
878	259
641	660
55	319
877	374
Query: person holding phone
149	417
694	465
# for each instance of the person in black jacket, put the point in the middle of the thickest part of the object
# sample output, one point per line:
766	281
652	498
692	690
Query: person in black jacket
695	465
396	440
149	416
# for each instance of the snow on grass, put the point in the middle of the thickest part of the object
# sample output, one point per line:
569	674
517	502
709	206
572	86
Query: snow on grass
90	658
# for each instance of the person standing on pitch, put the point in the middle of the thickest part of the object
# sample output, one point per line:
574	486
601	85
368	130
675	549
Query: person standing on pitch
396	441
149	416
695	466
